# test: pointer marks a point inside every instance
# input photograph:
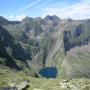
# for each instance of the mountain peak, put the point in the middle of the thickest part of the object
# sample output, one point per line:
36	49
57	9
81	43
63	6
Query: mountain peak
3	20
38	19
26	19
53	17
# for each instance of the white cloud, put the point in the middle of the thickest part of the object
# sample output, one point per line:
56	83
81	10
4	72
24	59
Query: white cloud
17	17
80	10
77	10
28	6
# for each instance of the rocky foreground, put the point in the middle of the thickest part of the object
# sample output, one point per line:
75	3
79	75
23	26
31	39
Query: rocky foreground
21	80
53	84
57	84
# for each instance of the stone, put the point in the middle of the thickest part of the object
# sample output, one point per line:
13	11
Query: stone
23	85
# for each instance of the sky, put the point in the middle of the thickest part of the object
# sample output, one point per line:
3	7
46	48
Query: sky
19	9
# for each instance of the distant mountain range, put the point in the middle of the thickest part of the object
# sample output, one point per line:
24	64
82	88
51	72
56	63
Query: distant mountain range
35	43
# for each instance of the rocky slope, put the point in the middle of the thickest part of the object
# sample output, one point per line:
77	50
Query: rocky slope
35	43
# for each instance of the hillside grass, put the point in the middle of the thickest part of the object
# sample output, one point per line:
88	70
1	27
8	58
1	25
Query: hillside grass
8	77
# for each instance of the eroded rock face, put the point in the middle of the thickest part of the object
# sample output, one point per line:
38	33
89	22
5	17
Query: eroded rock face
39	43
10	49
76	36
8	41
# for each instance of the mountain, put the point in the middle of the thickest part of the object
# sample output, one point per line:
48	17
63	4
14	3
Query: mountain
36	43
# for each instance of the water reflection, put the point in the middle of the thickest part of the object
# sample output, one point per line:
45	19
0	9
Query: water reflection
48	72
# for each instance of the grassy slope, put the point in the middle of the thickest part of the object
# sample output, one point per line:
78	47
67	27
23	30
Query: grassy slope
6	79
77	62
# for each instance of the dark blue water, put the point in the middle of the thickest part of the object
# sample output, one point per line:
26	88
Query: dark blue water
48	72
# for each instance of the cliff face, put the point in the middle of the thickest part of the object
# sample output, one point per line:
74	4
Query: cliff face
77	50
35	43
77	36
10	49
70	49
